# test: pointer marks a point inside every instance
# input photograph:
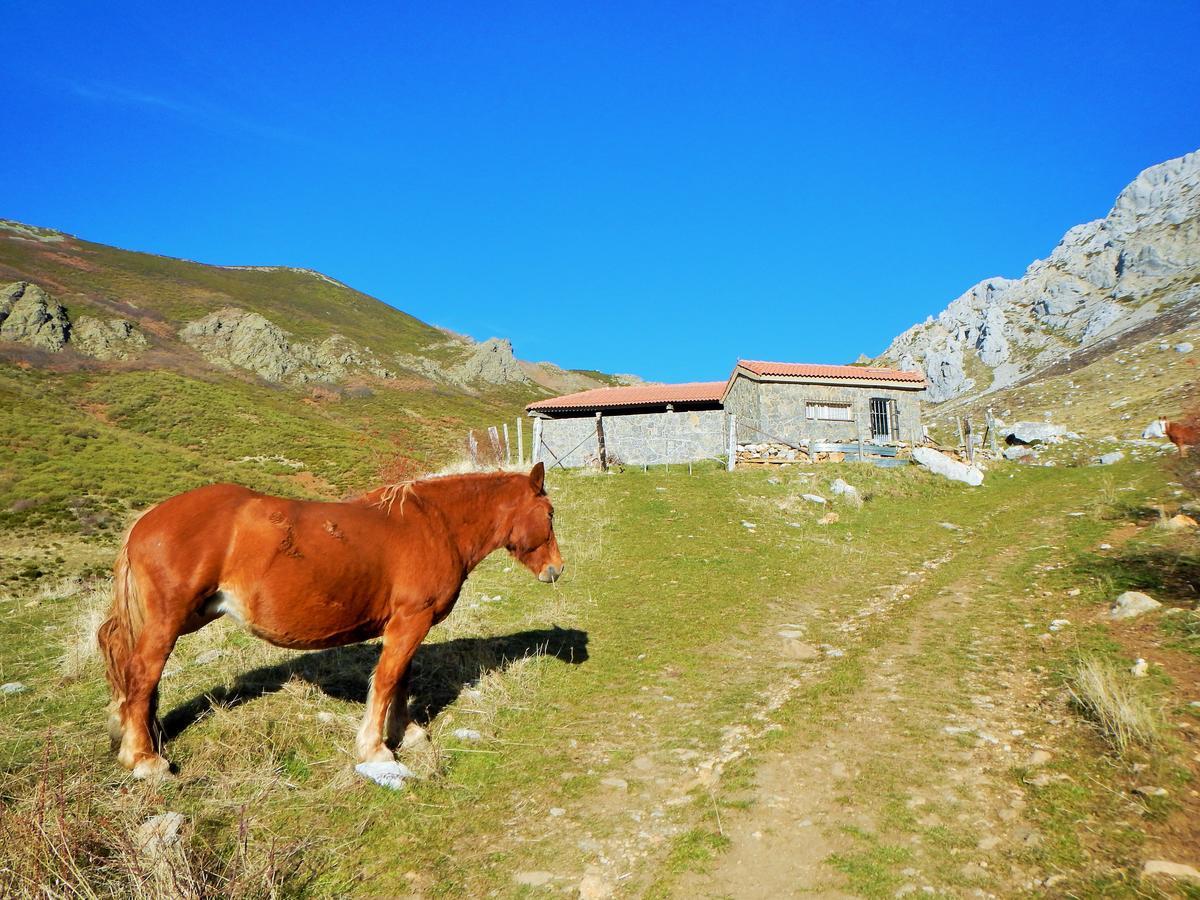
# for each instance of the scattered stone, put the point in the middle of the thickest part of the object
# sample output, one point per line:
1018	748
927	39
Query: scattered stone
1150	791
593	887
1073	592
750	525
1037	758
557	811
467	734
158	833
1059	624
842	488
829	518
208	656
950	526
1107	459
391	775
326	718
1140	668
617	784
814	498
790	634
1035	433
13	687
940	464
1132	604
773	480
1170	869
1019	452
1179	523
800	650
1184	347
533	879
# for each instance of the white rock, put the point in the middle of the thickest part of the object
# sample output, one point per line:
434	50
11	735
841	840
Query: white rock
467	734
940	464
1140	668
159	832
557	811
533	879
750	525
13	687
814	498
1132	604
1172	869
593	887
1184	347
390	775
840	486
1107	459
1036	433
208	656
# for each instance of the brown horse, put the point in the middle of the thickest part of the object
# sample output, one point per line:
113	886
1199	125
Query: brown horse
307	574
1179	434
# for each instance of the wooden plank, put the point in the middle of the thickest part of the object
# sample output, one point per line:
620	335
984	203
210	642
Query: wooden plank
520	442
600	442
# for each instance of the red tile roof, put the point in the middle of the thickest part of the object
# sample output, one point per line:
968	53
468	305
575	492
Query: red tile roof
636	395
807	370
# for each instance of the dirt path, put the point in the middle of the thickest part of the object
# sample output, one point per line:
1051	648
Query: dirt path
913	765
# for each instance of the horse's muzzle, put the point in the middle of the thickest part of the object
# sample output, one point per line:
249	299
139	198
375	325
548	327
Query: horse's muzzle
551	574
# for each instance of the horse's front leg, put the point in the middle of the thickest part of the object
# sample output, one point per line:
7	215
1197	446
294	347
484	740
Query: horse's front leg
388	693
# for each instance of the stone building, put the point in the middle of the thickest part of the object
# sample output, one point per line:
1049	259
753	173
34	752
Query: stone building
790	406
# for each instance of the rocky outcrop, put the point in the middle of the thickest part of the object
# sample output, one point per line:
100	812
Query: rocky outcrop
491	362
28	315
107	339
235	338
1103	277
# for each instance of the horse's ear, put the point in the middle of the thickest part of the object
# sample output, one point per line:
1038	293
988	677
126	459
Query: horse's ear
537	478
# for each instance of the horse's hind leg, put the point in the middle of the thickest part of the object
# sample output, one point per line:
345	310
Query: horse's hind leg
386	702
139	730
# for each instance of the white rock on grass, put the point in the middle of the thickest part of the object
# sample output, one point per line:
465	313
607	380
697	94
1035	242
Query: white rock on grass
814	498
159	832
13	687
1185	347
1140	669
940	464
467	734
1132	604
391	775
208	656
1171	869
841	487
1037	433
1107	459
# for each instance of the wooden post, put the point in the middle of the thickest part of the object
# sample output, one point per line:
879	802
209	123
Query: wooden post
507	447
991	429
473	448
520	442
729	466
494	440
600	442
962	441
535	452
970	441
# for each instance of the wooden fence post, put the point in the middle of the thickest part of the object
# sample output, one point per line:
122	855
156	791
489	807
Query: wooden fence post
732	443
473	448
991	429
494	440
507	447
970	441
535	452
600	442
520	442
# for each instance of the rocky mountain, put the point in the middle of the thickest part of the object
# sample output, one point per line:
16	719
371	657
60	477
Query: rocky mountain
1138	266
81	301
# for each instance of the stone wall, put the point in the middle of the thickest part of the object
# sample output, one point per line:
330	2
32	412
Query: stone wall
778	408
636	439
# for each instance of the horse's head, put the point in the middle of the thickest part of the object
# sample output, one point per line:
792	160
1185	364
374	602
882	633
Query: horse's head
1156	429
531	539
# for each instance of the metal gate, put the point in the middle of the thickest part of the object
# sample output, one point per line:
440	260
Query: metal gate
883	418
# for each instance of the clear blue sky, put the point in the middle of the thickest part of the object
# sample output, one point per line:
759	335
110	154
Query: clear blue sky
646	187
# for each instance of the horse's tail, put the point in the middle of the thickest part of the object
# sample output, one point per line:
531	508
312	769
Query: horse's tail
119	633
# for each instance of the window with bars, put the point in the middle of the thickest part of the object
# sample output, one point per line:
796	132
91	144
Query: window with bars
828	412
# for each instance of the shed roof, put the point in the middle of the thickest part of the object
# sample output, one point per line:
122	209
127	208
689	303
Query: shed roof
809	370
635	395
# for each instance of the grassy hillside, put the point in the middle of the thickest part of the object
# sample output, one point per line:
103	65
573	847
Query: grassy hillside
108	280
698	706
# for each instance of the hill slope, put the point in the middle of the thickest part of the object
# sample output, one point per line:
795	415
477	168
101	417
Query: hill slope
125	377
1124	281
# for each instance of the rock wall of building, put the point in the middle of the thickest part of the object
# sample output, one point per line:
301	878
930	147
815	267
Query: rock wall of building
638	439
782	412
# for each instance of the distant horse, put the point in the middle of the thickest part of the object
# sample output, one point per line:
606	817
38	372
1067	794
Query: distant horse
1182	436
306	574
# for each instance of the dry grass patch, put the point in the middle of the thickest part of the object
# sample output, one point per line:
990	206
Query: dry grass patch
1107	696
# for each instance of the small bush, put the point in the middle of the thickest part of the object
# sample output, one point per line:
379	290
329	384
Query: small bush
1108	697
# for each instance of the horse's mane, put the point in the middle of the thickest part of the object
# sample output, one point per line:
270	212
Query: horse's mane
384	497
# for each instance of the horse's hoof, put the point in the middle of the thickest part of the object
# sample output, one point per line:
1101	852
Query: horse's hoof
151	768
415	737
382	755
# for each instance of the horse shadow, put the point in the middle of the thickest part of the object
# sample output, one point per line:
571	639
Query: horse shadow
440	671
